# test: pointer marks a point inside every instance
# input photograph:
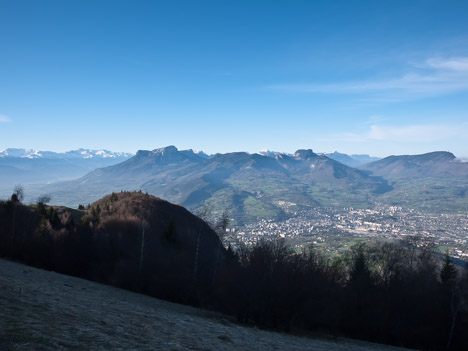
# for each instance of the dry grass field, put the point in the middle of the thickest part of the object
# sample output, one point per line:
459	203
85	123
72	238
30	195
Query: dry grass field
41	310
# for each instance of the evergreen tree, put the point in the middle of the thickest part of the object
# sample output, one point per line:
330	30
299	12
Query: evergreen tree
448	273
360	274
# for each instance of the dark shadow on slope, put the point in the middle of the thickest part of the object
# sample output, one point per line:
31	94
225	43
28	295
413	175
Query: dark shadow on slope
340	171
383	187
238	201
215	182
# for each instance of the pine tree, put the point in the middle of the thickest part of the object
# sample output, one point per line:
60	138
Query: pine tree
360	273
448	273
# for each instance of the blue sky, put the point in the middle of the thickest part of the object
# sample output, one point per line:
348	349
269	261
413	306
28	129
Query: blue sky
376	77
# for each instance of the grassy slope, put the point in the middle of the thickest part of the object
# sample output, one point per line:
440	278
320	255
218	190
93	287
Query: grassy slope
42	310
433	195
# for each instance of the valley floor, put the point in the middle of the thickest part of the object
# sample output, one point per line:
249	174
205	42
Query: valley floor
41	310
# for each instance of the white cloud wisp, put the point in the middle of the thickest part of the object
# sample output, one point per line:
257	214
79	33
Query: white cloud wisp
435	77
4	119
423	133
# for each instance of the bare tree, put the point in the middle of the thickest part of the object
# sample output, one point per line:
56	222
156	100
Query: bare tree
17	196
18	193
205	214
419	244
142	247
44	199
221	231
222	225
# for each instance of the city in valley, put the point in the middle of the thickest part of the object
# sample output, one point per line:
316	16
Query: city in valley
335	229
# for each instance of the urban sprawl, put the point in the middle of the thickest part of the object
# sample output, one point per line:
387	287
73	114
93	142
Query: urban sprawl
331	227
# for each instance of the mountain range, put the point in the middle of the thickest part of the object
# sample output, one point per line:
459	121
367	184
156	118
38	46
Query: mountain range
28	166
267	185
354	160
251	186
72	154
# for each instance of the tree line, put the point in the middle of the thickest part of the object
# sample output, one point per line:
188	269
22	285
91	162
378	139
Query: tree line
391	293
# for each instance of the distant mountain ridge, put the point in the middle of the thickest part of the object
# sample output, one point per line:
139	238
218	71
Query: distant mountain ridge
354	160
250	185
29	166
432	164
72	154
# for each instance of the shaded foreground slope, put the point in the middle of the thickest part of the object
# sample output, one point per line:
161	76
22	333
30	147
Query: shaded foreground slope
129	240
42	310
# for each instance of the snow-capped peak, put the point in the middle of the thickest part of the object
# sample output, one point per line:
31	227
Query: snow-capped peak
269	153
72	154
24	153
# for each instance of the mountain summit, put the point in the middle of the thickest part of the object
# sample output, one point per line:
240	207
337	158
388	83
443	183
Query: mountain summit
434	164
304	154
168	155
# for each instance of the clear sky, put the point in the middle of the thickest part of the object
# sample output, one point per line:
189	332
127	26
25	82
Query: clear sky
376	77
